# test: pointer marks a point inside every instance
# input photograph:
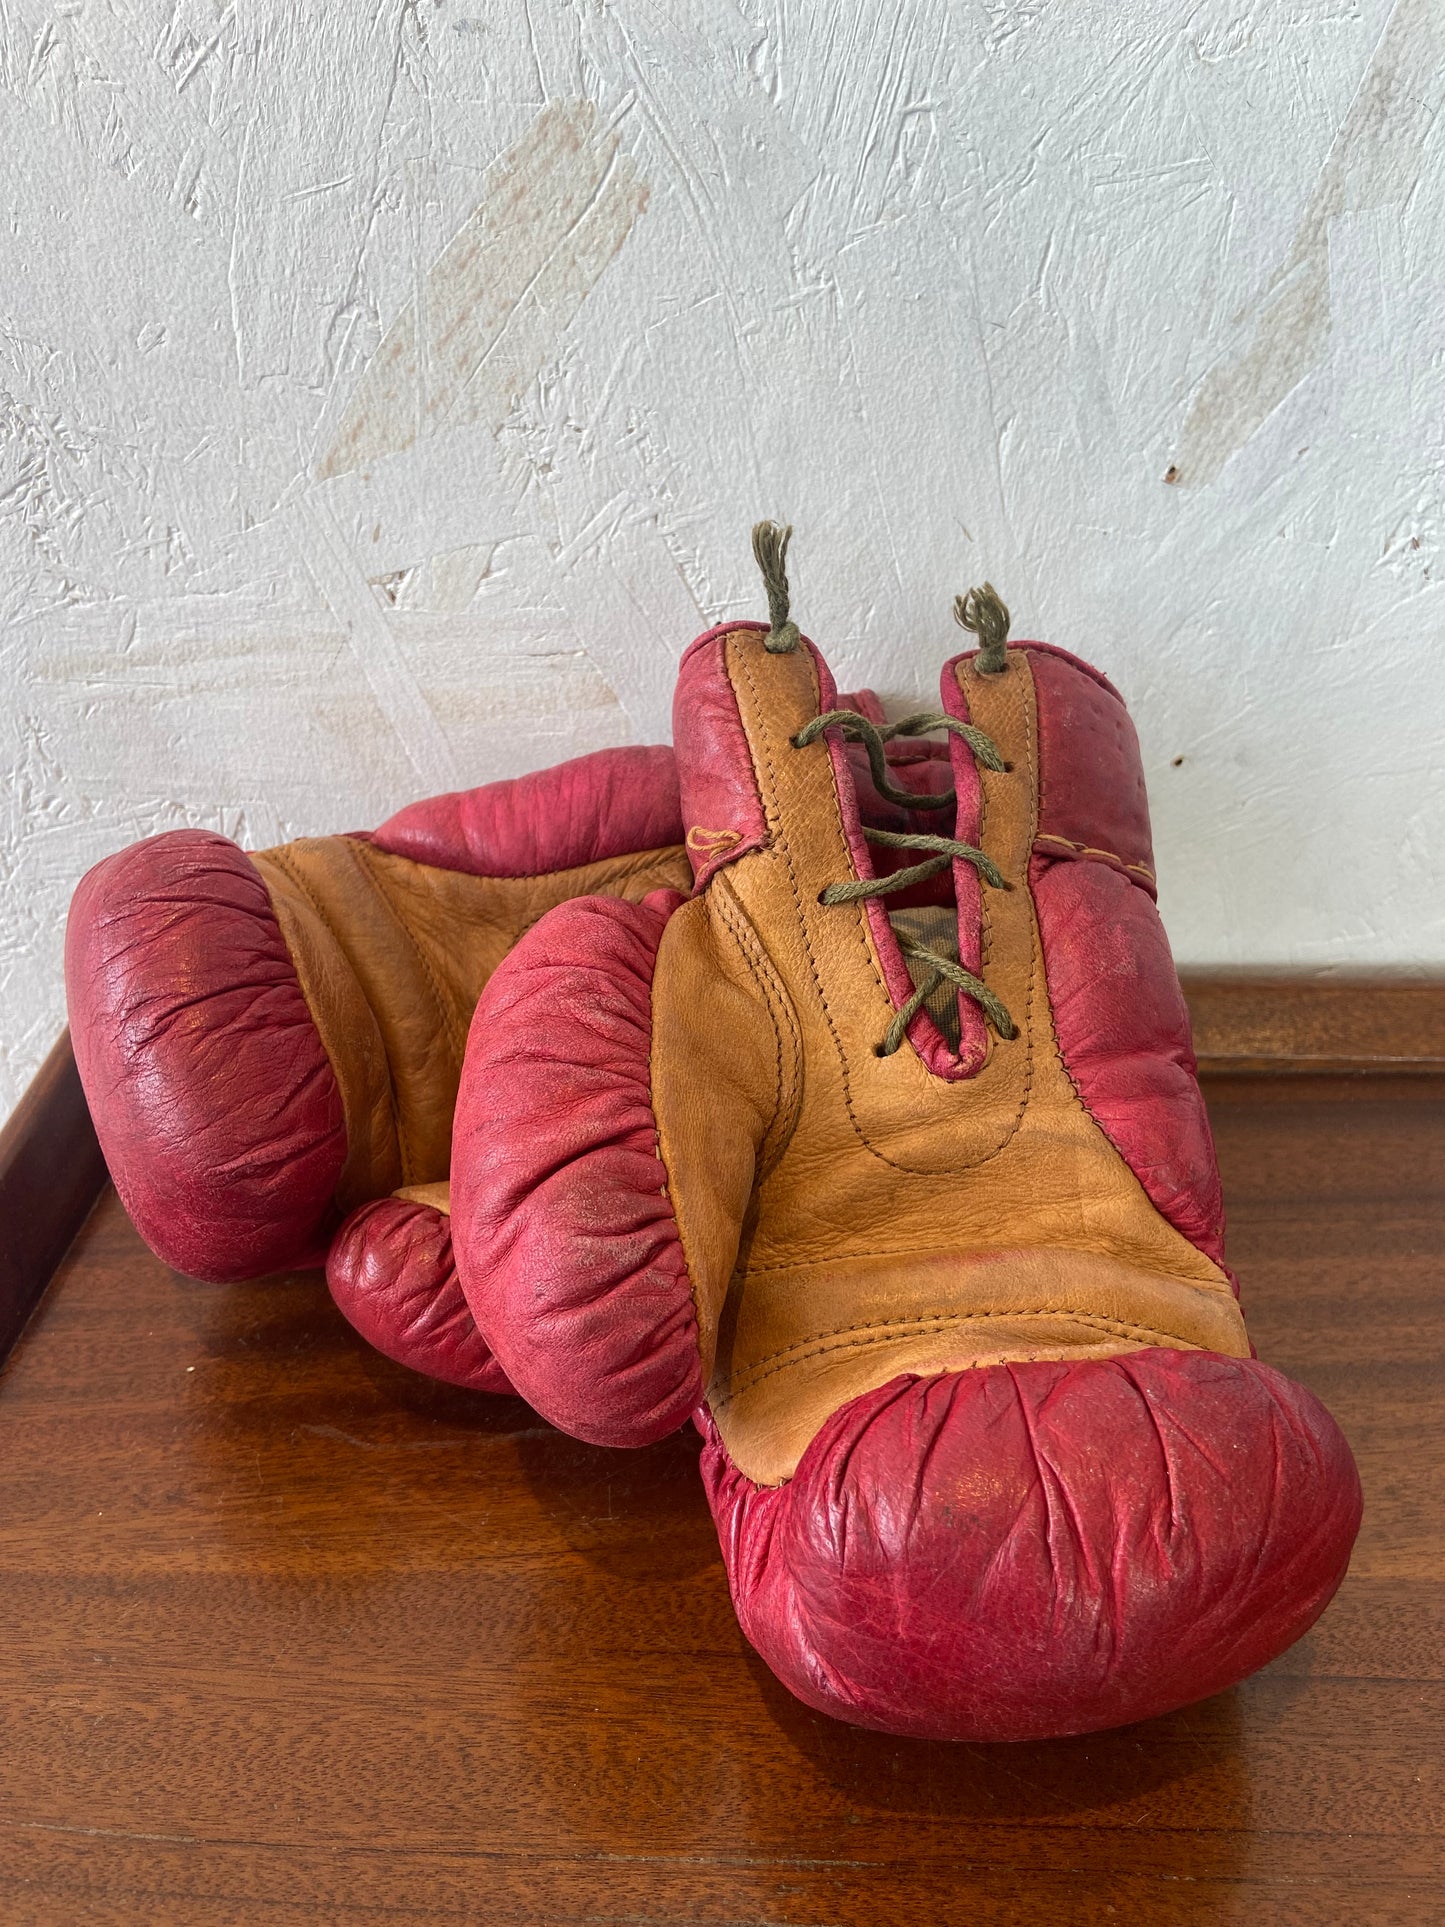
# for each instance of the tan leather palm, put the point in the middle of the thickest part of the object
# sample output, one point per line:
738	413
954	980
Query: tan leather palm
392	956
848	1216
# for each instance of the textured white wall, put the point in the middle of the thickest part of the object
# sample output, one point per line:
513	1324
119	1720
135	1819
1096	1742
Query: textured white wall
387	389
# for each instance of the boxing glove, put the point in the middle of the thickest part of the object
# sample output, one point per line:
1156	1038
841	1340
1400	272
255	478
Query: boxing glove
884	1156
270	1041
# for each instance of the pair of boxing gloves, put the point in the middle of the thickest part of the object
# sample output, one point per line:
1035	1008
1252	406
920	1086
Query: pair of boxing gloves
823	1080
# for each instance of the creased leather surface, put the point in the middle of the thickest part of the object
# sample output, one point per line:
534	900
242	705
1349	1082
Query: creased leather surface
806	1338
722	812
564	1232
611	803
392	1274
1123	1031
267	1039
1092	799
721	1133
216	1107
393	955
1041	1549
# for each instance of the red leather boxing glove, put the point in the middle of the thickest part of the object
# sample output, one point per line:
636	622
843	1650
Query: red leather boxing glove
269	1041
884	1154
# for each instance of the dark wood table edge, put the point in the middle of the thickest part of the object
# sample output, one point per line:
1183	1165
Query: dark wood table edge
1297	1024
1247	1024
51	1173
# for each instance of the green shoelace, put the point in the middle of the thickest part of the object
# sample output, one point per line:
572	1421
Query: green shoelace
939	851
982	612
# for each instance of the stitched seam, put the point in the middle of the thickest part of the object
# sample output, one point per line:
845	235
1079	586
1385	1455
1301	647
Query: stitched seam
782	844
630	867
985	912
1087	849
1035	942
771	993
1099	1250
285	864
626	860
712	842
664	1190
897	1327
725	909
769	816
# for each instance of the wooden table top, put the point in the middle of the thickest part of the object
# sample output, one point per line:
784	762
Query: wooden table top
292	1635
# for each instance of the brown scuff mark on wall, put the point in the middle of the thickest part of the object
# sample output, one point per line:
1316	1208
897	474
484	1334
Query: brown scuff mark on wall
555	209
1374	161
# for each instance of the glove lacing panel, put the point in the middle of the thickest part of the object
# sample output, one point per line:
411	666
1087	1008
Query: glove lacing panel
983	612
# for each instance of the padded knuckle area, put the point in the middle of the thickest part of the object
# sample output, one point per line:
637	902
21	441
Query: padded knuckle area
566	1241
1034	1549
213	1098
392	1274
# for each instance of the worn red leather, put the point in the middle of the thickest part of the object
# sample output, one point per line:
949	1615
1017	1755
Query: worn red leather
1040	1549
391	1271
1123	1029
571	1255
1092	801
722	812
603	805
216	1105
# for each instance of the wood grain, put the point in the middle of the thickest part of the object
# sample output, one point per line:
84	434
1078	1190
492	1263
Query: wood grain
1249	1022
293	1636
51	1171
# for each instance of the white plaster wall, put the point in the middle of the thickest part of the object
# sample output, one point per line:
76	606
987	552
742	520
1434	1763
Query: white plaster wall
387	389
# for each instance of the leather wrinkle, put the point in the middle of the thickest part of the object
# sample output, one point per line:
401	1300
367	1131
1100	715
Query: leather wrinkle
773	815
455	1035
409	1161
815	1347
367	966
284	860
404	948
708	1143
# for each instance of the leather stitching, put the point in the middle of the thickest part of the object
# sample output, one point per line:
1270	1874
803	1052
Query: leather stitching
898	1327
664	1190
712	842
780	844
728	918
1087	849
1097	1249
775	1000
619	870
